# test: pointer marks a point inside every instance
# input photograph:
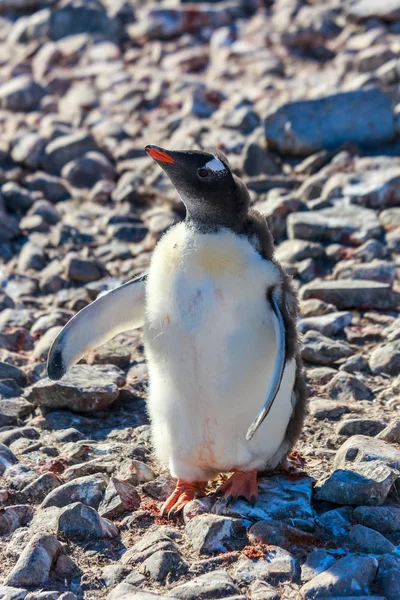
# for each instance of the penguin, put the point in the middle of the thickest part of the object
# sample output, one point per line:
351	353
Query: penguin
226	386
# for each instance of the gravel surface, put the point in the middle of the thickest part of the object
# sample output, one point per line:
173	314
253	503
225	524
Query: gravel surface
303	96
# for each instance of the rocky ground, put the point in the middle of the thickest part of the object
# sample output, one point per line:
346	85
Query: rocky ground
304	98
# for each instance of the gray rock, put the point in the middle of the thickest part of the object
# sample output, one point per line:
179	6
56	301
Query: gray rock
346	388
386	359
373	184
360	449
355	364
292	251
366	469
376	270
321	350
87	170
370	250
369	484
391	433
217	584
337	522
275	567
37	490
88	490
7	458
368	9
16	197
315	308
388	579
10	435
46	322
43	596
84	521
53	188
82	270
83	389
125	591
80	17
11	317
392	333
151	542
258	161
112	574
353	573
279	498
209	534
66	148
261	590
162	563
13	410
320	375
9	228
364	539
12	593
346	294
390	218
169	23
276	209
34	564
160	488
28	150
31	257
341	223
327	409
8	371
120	497
370	427
279	534
20	94
136	472
12	517
329	325
330	121
317	562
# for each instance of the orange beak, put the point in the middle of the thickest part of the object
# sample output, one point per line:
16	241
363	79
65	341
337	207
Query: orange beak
159	155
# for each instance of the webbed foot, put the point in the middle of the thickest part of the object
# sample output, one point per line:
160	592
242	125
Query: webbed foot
241	484
184	492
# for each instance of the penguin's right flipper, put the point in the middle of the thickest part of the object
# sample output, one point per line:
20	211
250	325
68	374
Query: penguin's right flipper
111	313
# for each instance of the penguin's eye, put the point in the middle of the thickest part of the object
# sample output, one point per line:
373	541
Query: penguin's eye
203	172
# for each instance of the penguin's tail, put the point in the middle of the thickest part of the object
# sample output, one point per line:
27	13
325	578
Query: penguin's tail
111	313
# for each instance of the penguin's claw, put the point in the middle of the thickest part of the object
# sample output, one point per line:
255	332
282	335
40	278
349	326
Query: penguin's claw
241	484
184	492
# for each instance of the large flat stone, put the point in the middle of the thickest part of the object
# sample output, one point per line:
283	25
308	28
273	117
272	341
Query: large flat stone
341	223
83	389
217	584
365	470
280	497
346	576
389	10
357	293
300	128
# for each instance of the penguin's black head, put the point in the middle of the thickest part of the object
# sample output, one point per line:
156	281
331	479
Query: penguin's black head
213	196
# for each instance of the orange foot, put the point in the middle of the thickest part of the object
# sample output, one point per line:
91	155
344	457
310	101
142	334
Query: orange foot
184	492
241	483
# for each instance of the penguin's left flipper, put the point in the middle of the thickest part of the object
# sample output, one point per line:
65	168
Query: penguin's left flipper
279	364
111	313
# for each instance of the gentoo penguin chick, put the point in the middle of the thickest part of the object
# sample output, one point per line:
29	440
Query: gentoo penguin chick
219	318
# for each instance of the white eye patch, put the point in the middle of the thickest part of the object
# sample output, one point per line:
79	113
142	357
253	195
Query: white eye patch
215	165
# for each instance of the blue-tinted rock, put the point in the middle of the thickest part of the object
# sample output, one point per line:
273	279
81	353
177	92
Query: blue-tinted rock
362	117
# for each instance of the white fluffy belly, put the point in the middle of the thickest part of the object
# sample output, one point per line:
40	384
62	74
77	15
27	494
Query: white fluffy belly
211	347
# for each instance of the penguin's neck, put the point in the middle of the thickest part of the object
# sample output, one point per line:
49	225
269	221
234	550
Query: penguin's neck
206	223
